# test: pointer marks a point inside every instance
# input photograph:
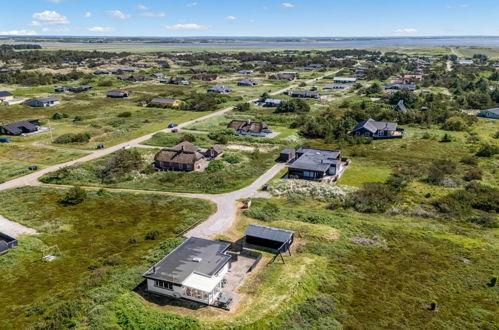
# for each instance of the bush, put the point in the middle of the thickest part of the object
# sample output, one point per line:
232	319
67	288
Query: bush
455	124
188	137
119	164
374	197
231	158
78	118
487	150
152	235
266	211
469	160
446	138
56	116
74	196
243	107
125	114
473	174
78	138
216	165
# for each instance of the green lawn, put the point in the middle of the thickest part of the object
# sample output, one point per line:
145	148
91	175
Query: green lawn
103	245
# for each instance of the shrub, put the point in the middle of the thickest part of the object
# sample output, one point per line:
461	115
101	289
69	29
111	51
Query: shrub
487	150
232	158
470	160
188	137
446	138
78	138
152	235
125	114
78	118
265	211
473	174
374	197
56	116
216	165
74	196
455	124
119	164
243	107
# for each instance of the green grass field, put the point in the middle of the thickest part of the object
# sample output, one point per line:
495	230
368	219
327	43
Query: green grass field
101	238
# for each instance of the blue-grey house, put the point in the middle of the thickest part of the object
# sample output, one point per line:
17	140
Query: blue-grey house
489	113
311	164
43	102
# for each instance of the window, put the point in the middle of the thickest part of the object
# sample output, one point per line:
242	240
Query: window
163	285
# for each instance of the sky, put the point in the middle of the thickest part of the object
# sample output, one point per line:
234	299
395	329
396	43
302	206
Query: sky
267	18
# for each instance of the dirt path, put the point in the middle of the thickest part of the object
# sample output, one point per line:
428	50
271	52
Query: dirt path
14	229
226	203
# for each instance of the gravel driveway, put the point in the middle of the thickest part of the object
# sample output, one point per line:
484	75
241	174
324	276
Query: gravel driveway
14	229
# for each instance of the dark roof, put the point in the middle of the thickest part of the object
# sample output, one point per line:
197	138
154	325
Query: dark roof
269	233
319	160
5	93
220	89
372	126
493	110
116	93
400	106
195	255
46	99
305	94
183	153
247	126
17	128
247	82
288	151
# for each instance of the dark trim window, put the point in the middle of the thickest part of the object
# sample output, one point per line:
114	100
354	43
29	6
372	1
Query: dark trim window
163	285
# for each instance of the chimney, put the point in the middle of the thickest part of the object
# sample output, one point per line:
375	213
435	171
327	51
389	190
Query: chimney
248	121
154	269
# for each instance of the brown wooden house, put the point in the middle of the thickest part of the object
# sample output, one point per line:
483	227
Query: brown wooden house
182	157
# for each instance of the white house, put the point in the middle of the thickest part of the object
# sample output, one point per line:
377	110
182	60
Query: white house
344	80
194	270
489	113
466	62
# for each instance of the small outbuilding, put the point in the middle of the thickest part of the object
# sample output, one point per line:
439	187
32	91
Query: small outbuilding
287	155
6	242
276	239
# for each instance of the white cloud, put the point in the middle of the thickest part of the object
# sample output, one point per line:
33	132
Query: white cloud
119	14
35	23
87	14
150	14
192	4
49	17
57	30
287	5
18	33
187	26
464	5
231	18
406	31
100	29
142	7
55	1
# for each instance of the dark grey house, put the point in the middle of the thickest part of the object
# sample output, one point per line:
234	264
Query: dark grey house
312	164
220	89
118	94
247	82
21	127
377	129
400	107
305	94
398	87
276	239
43	102
271	103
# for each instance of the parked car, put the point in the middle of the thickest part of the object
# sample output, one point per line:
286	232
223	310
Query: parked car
127	147
4	140
33	168
172	125
99	146
174	130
